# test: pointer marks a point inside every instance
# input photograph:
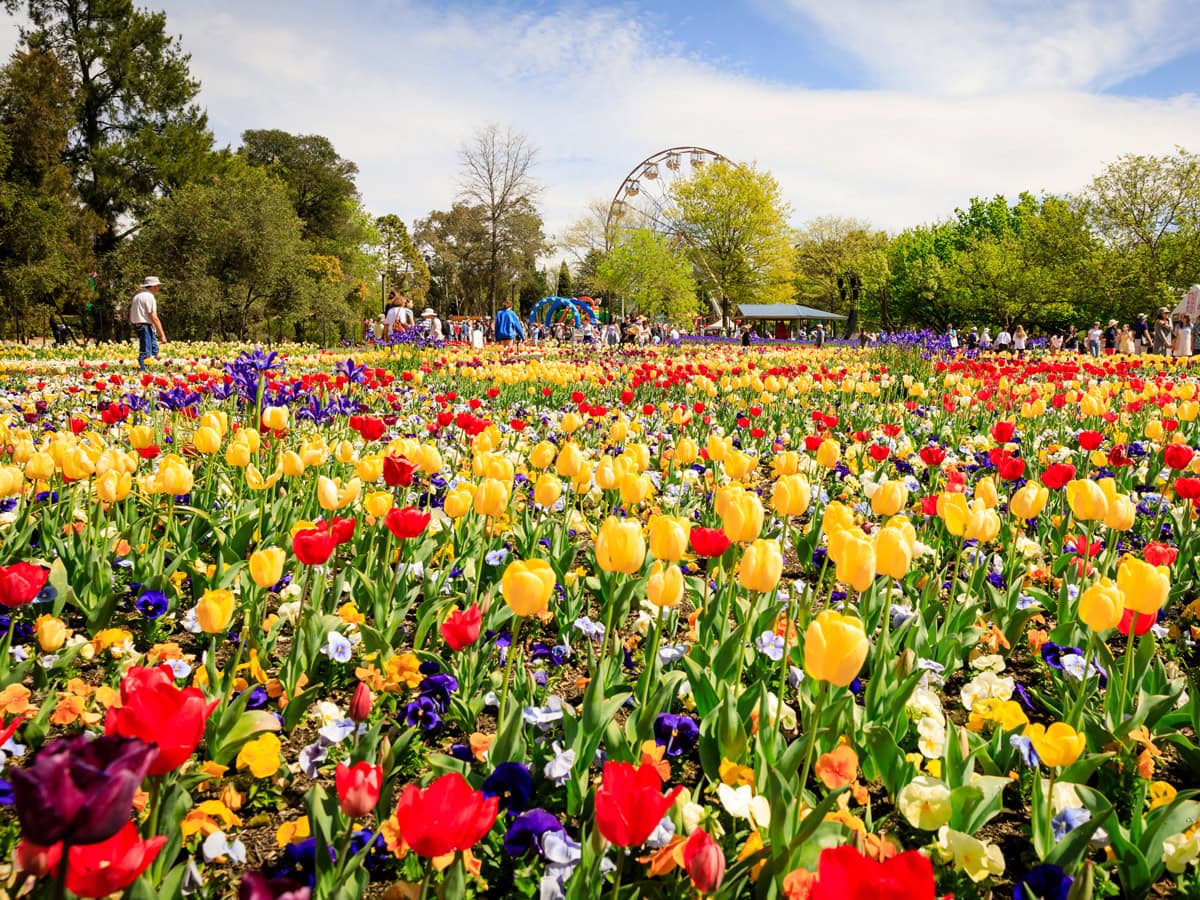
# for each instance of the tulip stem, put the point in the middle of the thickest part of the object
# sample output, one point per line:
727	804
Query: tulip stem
512	652
1130	650
606	596
60	879
617	875
818	704
651	658
1077	707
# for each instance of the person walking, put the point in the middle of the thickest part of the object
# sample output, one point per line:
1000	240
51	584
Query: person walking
1003	340
508	326
1126	344
1183	336
1110	337
1094	336
143	316
1019	340
1161	335
819	335
1141	334
435	324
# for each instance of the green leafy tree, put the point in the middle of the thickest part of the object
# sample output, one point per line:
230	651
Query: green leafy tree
650	275
46	236
564	280
829	247
400	262
137	132
734	222
234	249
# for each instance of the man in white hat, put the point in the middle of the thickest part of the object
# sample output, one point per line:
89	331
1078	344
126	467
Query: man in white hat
435	324
143	316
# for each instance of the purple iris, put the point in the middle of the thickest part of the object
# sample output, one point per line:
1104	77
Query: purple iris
512	784
524	835
678	734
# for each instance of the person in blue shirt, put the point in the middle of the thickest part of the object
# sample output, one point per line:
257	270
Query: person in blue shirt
508	326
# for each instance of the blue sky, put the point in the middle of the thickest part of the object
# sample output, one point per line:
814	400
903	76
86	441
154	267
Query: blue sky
890	111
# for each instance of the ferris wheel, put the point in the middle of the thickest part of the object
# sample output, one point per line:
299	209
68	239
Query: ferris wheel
644	199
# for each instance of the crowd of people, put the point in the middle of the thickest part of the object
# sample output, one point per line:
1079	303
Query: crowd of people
1167	335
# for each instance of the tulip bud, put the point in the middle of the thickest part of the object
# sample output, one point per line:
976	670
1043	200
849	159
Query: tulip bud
1101	606
619	546
1145	587
669	537
791	495
275	417
358	787
704	861
542	455
458	501
547	490
665	585
266	566
214	611
828	453
570	460
527	586
360	703
51	633
835	647
491	498
760	566
206	440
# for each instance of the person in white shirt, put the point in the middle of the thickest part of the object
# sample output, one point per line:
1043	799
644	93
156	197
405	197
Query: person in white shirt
435	324
143	316
1003	339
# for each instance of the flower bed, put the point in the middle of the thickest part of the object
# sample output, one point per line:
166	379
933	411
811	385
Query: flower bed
428	621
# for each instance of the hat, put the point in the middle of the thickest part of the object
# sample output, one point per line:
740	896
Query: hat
1141	315
1161	310
151	281
1112	322
428	313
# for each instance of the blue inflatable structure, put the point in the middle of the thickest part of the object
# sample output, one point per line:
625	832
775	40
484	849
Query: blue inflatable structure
552	306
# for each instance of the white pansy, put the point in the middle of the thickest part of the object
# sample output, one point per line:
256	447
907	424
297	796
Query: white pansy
925	803
931	739
987	686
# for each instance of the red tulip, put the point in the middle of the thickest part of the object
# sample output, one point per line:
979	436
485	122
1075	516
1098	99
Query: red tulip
358	787
1002	431
1138	623
1187	488
879	452
407	522
397	471
1011	468
1160	554
709	542
1057	475
630	803
929	505
36	860
372	428
360	703
845	874
97	870
461	628
932	455
159	713
446	816
313	546
1089	440
342	530
812	442
704	861
1177	456
21	582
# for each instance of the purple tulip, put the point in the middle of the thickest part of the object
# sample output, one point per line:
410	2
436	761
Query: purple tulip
80	790
260	887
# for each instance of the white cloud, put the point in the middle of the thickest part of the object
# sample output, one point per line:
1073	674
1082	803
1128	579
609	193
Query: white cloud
974	46
397	87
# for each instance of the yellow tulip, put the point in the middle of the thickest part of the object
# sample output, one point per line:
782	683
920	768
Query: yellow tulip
619	546
40	467
266	566
527	586
1121	513
760	566
835	647
77	465
669	537
217	420
742	519
985	490
51	633
237	454
491	498
459	501
828	453
344	452
665	587
541	456
953	510
1101	605
377	504
427	459
638	456
570	460
206	440
738	465
1029	501
547	490
140	436
718	447
275	417
293	464
889	498
982	525
1144	587
1058	745
113	486
1087	500
836	517
214	611
255	480
856	560
332	495
791	495
786	463
686	451
570	423
893	552
635	489
174	477
369	469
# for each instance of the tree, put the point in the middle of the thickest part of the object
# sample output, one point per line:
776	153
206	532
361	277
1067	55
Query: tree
650	275
1147	209
400	262
733	221
497	176
234	249
829	247
46	236
320	182
137	132
563	288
